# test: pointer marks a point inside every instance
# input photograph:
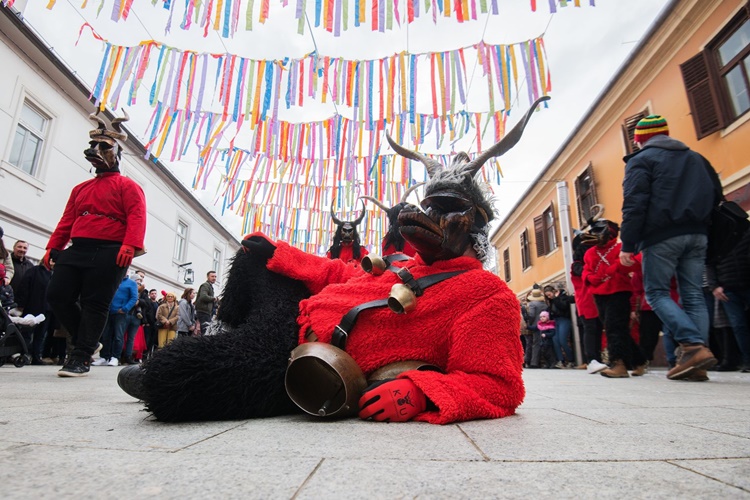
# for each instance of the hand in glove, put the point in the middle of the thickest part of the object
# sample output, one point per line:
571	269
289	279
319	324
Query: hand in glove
125	256
394	400
49	257
258	245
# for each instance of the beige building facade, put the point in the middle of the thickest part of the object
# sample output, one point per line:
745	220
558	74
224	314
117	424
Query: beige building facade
692	68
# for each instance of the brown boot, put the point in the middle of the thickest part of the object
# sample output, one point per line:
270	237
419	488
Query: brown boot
697	376
617	371
641	370
692	358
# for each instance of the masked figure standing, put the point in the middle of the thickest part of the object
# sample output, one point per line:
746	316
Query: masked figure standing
105	218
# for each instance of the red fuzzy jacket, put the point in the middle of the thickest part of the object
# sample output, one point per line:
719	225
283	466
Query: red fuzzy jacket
603	272
466	325
584	298
107	207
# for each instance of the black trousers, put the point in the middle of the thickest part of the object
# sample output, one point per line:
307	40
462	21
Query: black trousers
592	339
84	281
650	326
614	310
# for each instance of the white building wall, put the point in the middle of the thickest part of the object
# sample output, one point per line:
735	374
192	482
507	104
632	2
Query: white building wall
30	206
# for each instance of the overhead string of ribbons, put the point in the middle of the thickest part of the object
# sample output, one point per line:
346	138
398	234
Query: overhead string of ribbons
187	86
335	16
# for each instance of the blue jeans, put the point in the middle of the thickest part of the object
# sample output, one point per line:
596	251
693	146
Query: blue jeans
131	327
114	334
735	309
561	340
684	257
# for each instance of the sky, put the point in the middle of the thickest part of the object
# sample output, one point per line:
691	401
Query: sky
585	46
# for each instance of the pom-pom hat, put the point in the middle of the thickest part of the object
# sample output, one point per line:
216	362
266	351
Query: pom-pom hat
650	126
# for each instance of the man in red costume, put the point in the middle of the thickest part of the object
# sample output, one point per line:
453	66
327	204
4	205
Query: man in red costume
105	218
346	243
465	322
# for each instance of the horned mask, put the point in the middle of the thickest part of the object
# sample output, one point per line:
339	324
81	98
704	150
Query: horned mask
456	210
104	150
393	241
346	234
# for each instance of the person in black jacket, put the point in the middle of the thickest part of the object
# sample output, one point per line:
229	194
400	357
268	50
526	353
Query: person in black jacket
31	298
729	280
669	192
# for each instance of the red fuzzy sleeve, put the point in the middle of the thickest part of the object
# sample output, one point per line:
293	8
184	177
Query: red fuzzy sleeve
483	375
315	272
61	236
134	208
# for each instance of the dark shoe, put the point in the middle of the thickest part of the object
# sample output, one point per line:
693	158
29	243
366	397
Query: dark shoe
692	358
74	368
130	380
725	368
745	369
697	376
619	370
37	362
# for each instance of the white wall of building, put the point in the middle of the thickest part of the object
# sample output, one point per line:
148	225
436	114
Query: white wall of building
31	205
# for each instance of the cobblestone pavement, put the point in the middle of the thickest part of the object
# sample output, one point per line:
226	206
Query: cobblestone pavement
576	436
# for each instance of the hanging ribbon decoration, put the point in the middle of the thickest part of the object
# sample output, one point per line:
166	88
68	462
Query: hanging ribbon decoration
335	16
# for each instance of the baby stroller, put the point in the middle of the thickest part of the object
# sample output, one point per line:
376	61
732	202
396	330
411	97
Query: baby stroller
12	342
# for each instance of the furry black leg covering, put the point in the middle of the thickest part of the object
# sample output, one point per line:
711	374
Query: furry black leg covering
238	373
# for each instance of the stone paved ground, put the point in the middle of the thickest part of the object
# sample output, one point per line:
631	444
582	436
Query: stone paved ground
576	436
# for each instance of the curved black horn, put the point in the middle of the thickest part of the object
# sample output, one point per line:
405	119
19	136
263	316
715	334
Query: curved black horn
432	166
333	216
506	143
376	202
95	117
410	191
362	215
117	121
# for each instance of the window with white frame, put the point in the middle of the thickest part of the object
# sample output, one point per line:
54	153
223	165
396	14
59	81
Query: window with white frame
216	264
180	241
545	232
717	79
28	141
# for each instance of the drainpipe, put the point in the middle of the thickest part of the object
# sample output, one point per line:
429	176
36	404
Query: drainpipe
563	203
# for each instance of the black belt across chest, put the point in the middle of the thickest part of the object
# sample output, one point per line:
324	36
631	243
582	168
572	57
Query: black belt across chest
342	330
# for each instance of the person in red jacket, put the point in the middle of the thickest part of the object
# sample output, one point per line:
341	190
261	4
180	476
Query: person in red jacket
586	307
346	242
465	322
105	218
609	282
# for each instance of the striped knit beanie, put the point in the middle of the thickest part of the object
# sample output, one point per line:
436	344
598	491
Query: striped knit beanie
650	126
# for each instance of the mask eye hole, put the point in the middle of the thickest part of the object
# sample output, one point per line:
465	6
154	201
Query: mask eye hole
101	145
446	204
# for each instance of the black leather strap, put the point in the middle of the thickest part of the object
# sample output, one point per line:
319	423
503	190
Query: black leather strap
341	331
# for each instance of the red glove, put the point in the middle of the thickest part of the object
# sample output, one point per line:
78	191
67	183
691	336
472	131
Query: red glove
46	259
394	400
125	256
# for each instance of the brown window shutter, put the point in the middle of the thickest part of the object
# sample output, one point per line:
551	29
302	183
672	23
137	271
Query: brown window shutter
703	100
541	242
506	263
